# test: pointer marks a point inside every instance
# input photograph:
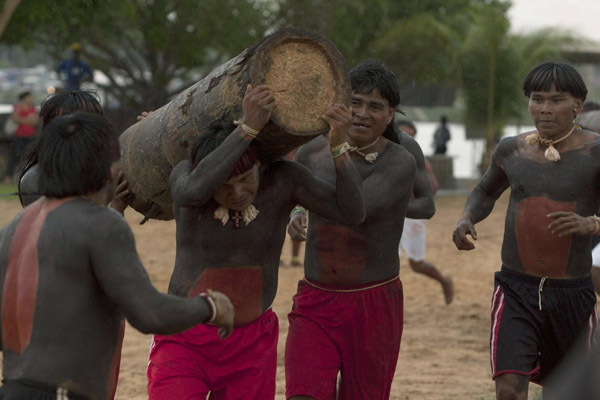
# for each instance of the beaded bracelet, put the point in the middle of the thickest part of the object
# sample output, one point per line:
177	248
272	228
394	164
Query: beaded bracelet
339	149
249	131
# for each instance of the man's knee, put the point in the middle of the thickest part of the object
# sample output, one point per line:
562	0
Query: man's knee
512	387
417	266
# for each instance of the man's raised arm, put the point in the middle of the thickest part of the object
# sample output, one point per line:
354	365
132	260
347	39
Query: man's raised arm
195	185
345	202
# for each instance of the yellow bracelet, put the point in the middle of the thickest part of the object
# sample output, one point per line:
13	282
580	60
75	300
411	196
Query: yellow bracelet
596	220
249	131
339	149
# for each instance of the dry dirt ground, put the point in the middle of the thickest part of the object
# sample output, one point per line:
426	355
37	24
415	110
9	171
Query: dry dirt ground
444	351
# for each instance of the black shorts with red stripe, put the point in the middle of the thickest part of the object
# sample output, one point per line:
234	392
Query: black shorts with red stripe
536	321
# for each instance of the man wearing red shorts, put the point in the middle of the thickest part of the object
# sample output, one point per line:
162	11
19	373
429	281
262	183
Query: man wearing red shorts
231	213
347	313
543	299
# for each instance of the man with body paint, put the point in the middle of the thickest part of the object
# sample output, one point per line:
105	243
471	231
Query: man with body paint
543	298
347	315
231	214
70	274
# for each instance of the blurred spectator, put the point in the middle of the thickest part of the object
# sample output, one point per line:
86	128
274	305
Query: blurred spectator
76	71
26	116
441	136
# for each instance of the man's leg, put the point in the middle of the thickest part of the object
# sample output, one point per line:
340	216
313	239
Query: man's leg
430	270
512	387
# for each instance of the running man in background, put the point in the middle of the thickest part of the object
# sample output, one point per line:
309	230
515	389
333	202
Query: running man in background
412	243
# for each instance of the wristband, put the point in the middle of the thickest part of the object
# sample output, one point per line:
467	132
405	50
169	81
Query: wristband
596	220
249	131
212	305
339	149
298	210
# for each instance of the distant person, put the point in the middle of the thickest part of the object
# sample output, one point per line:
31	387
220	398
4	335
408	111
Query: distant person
412	242
26	117
543	297
74	70
441	137
71	275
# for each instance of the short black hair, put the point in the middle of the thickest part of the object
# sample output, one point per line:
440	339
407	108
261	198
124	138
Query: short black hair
62	103
406	122
563	76
212	138
69	102
75	155
374	74
22	95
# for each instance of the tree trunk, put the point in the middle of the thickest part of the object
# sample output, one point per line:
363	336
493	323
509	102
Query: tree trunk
306	73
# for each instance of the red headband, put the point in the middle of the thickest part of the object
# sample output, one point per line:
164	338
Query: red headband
246	161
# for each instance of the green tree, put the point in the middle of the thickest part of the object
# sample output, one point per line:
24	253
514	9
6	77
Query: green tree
491	66
148	49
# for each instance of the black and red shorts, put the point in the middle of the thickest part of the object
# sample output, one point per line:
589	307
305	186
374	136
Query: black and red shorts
535	322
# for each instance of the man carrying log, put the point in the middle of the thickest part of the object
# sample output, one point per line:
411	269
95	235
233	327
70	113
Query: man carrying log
70	275
543	296
231	214
347	314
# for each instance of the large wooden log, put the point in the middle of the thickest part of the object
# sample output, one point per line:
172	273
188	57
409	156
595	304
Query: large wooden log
306	73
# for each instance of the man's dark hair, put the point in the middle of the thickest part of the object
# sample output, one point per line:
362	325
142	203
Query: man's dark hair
75	155
563	76
212	138
22	95
374	74
69	102
62	103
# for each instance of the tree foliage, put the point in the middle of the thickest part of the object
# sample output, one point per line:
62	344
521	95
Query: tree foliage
148	49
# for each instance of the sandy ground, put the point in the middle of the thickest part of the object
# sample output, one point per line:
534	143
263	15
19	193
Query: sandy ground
444	351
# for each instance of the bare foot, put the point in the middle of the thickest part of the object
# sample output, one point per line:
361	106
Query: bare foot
448	287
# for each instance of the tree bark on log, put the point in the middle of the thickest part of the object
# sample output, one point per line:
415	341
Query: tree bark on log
304	70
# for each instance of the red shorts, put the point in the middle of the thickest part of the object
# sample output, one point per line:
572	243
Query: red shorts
357	333
193	363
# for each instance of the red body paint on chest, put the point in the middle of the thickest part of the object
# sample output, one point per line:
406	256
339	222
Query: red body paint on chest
243	286
542	253
20	283
342	253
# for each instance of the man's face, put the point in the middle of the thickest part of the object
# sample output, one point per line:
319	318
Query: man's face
553	112
239	192
371	114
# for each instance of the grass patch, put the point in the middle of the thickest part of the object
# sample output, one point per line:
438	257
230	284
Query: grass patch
7	190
